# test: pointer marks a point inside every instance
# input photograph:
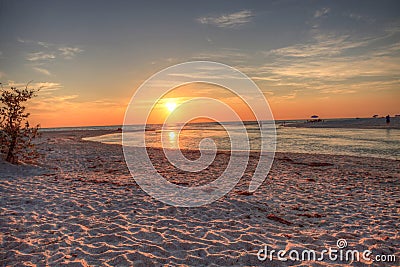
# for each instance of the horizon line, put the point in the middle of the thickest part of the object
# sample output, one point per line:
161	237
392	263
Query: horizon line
276	120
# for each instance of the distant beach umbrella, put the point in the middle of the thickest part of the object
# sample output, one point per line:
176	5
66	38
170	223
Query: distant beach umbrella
314	117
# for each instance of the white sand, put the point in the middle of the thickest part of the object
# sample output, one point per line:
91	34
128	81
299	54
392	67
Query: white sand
81	208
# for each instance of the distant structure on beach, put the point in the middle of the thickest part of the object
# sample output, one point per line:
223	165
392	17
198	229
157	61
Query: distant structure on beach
314	118
375	116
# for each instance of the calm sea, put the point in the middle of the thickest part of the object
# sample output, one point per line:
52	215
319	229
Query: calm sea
381	143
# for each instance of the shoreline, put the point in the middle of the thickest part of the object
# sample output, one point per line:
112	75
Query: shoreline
83	207
339	123
354	123
101	133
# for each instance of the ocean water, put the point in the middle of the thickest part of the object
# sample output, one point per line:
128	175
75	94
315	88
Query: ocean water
380	143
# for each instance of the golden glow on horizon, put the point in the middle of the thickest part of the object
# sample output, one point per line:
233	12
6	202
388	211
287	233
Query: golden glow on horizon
59	112
170	102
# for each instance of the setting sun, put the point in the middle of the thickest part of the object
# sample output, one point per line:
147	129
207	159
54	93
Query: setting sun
170	106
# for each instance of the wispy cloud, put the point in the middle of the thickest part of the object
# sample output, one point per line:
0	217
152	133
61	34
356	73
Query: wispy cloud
44	44
359	17
69	52
322	12
40	56
355	16
48	86
291	95
232	20
42	70
223	54
330	64
49	103
46	106
337	90
336	69
327	58
47	52
321	45
40	43
50	51
43	86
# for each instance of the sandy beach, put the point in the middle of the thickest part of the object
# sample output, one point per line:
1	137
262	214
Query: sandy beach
81	207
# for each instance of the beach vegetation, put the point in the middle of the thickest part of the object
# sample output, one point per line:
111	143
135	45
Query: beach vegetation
16	134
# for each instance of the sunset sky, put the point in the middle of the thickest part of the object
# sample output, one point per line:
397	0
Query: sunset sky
331	58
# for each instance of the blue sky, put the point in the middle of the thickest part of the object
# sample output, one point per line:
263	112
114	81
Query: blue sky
93	55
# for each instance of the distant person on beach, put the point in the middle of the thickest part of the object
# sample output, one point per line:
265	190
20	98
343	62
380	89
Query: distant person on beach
387	119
